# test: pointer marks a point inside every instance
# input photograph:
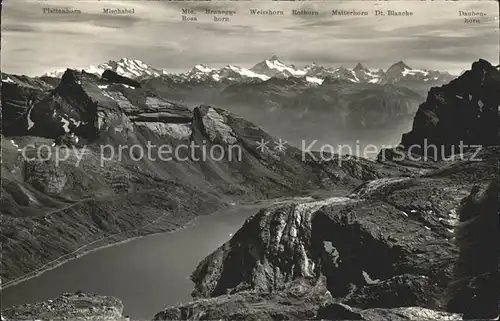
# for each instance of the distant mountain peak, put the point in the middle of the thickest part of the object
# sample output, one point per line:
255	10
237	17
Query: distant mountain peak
202	68
127	67
359	66
399	65
131	61
273	67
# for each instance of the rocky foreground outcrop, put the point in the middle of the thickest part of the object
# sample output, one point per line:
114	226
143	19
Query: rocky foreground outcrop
302	300
74	307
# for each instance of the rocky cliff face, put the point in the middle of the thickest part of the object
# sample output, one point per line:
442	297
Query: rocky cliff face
464	111
387	245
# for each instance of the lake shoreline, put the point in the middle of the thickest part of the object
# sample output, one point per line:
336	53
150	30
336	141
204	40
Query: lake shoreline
76	255
122	238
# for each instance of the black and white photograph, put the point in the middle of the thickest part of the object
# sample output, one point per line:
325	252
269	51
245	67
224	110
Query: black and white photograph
249	160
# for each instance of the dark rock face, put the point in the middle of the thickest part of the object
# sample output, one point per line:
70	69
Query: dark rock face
68	108
112	76
474	291
463	111
18	97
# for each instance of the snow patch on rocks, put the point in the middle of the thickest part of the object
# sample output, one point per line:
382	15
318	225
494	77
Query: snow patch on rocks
9	80
314	80
101	116
31	123
480	104
127	86
65	125
368	279
107	95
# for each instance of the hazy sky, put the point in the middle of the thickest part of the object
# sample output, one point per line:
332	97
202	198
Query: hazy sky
434	38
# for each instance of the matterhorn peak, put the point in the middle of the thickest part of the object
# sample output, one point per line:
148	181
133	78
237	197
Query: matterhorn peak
359	66
399	65
273	58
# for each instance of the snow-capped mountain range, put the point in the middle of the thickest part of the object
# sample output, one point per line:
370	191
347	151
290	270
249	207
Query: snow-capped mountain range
269	68
131	68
